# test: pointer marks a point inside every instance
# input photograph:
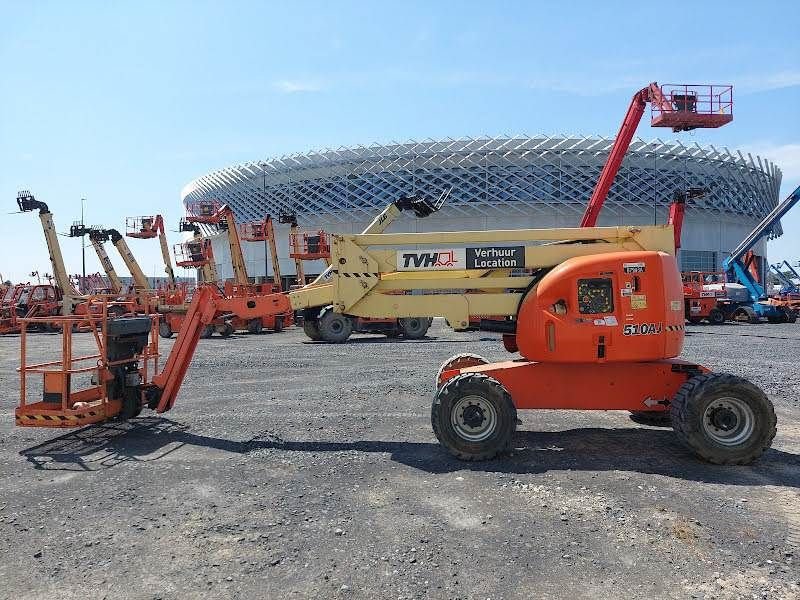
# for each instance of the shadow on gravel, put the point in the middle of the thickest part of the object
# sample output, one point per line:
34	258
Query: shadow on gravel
642	450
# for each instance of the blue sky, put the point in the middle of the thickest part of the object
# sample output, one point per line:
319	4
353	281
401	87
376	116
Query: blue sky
123	104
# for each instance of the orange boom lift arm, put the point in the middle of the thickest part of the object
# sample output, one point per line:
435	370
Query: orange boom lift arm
680	107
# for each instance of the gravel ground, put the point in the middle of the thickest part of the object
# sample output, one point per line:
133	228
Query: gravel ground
291	469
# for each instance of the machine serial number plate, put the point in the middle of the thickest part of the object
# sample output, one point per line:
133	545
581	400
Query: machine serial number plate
642	329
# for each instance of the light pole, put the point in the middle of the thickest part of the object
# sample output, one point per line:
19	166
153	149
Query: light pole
83	241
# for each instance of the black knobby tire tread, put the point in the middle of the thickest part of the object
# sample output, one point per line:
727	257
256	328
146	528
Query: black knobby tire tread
456	357
414	335
682	425
452	388
311	329
716	321
328	336
653	418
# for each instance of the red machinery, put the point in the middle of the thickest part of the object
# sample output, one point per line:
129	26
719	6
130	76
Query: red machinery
681	107
701	303
221	216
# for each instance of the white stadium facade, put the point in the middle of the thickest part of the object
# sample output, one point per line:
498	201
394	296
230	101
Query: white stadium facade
497	183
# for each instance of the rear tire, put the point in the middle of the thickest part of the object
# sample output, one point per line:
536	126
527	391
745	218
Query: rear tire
459	361
335	327
723	419
745	314
206	332
716	317
311	329
414	328
226	331
164	330
473	417
278	324
254	326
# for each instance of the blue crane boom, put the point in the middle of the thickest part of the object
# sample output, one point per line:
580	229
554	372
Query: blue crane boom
792	269
734	265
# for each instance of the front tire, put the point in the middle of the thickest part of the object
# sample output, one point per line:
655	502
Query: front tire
414	328
335	327
716	317
311	329
723	419
254	326
206	332
473	417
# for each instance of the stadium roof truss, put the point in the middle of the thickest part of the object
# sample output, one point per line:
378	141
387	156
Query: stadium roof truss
515	175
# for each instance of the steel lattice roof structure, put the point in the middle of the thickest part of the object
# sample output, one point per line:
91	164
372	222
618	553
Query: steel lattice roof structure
491	175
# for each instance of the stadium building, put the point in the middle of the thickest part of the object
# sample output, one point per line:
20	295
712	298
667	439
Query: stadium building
498	183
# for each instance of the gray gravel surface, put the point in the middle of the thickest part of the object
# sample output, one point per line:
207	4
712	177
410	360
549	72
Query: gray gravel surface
294	469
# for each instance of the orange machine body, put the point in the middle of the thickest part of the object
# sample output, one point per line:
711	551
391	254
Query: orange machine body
598	332
617	307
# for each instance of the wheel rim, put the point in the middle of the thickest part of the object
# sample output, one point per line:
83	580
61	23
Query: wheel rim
728	421
336	325
474	418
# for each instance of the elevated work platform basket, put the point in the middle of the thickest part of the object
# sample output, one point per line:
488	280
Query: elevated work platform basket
191	254
141	227
309	245
203	211
684	107
254	231
74	388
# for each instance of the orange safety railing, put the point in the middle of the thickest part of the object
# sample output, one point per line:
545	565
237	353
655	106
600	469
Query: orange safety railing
254	231
90	403
141	227
309	245
191	254
202	209
708	105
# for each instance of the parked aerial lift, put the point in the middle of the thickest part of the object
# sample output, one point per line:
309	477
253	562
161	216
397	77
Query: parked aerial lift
66	297
221	216
323	321
264	231
27	300
150	227
738	269
584	342
196	253
97	237
680	107
788	286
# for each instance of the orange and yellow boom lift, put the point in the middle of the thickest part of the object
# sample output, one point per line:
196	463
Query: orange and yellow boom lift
321	321
299	252
264	231
680	107
598	325
97	237
148	228
221	216
67	297
196	253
